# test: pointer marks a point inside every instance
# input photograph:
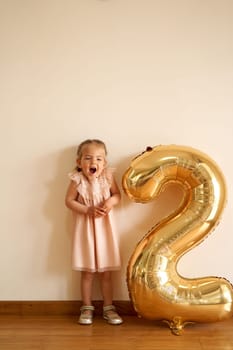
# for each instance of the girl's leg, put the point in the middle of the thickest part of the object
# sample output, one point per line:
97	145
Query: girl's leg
87	309
86	287
109	310
106	287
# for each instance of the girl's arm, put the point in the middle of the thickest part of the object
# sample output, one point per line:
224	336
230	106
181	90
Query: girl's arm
115	197
71	201
74	205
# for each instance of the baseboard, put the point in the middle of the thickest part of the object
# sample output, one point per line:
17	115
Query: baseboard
57	307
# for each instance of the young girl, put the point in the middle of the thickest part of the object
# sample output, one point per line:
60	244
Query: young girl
91	195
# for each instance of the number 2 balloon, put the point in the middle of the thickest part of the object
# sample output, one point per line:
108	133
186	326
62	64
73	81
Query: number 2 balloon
157	290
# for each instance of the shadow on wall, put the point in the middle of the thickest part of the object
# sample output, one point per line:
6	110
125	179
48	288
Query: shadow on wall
59	251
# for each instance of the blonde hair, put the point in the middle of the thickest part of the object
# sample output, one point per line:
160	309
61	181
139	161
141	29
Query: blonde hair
88	142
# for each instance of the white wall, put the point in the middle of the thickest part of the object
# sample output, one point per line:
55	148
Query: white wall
131	72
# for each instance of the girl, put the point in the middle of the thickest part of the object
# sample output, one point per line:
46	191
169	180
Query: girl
91	195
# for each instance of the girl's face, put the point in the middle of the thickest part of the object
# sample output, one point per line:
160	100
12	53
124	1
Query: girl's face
92	160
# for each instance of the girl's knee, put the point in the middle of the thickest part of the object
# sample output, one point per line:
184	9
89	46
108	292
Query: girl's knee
87	276
105	276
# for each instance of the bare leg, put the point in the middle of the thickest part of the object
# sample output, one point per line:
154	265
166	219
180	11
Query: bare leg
106	287
87	309
109	310
86	287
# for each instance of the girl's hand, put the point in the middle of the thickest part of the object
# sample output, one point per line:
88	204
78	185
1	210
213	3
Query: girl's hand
96	211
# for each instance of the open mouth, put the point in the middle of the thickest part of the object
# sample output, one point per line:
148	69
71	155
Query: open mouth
93	170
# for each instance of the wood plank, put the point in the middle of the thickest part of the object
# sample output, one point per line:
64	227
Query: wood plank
63	332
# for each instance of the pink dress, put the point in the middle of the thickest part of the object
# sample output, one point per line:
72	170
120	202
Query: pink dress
95	245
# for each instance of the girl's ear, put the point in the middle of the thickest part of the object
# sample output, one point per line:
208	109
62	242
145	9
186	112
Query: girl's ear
78	165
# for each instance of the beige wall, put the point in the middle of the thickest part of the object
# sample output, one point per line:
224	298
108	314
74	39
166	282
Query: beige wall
131	72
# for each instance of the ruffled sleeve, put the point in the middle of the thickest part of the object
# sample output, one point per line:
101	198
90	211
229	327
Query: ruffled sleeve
82	185
75	176
109	175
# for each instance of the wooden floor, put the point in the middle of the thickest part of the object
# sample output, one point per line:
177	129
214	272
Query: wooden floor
63	333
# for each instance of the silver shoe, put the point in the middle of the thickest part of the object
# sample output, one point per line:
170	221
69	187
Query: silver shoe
86	317
111	316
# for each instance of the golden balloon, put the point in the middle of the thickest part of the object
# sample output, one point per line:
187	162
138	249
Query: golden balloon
157	290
